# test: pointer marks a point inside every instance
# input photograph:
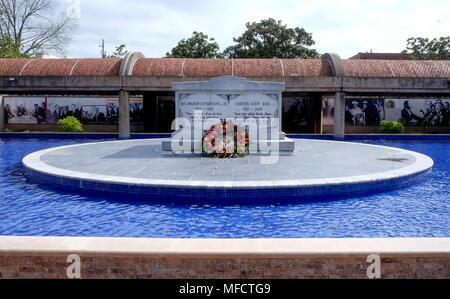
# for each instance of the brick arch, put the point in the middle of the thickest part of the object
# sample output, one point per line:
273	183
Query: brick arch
180	67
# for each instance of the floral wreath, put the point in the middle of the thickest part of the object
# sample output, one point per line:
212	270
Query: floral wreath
216	144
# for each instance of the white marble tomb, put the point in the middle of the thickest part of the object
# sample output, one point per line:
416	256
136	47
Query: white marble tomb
231	98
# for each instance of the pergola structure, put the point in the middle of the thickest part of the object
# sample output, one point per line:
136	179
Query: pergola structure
136	74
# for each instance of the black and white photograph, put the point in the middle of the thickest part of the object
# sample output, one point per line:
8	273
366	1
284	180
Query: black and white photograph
358	111
112	111
93	114
136	111
419	112
78	107
58	109
364	111
328	111
21	110
436	113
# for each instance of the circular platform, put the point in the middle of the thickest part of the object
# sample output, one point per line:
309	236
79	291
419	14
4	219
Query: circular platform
316	168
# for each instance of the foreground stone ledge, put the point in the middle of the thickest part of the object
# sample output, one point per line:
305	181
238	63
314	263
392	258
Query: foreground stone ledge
36	257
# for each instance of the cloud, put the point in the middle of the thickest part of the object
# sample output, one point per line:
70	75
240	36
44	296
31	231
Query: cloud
345	27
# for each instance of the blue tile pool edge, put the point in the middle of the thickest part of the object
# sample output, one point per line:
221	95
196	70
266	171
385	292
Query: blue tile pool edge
202	195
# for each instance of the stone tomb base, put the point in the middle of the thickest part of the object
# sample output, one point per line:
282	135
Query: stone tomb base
284	146
315	168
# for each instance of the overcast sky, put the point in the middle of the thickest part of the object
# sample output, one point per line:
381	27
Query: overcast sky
154	27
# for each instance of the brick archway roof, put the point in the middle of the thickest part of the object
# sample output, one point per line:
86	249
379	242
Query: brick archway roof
232	67
60	67
397	68
166	67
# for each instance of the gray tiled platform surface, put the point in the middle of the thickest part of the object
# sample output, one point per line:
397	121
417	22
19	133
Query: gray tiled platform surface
314	163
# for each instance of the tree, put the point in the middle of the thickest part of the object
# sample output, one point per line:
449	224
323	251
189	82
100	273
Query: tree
269	39
120	52
426	49
35	25
197	46
10	49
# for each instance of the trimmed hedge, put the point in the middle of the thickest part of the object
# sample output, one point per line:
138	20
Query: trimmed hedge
392	127
70	124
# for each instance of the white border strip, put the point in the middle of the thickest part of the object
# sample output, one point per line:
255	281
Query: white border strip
182	68
418	247
74	66
25	66
34	163
282	68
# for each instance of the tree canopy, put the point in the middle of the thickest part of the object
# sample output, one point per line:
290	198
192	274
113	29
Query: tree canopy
35	25
270	38
426	49
10	49
199	45
119	52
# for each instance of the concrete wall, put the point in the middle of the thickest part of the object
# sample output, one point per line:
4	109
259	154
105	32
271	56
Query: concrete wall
109	267
113	84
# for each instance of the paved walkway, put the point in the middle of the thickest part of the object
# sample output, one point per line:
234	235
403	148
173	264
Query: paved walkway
312	160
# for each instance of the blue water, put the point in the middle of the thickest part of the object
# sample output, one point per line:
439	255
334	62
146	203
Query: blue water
29	209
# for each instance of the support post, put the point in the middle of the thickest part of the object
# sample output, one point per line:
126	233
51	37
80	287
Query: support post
2	114
339	115
124	114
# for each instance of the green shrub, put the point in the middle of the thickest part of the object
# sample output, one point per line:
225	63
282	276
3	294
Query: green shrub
392	127
70	124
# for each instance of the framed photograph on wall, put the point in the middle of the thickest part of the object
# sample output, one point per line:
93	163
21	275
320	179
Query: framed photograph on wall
25	110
